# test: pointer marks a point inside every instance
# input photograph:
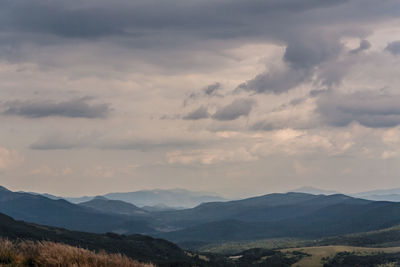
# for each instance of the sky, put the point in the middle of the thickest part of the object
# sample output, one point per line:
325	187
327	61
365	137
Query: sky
235	97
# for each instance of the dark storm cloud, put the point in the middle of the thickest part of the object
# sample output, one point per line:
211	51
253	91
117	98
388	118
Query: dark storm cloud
87	18
371	109
238	108
75	108
121	26
302	55
364	45
208	91
276	81
393	47
306	52
200	113
212	89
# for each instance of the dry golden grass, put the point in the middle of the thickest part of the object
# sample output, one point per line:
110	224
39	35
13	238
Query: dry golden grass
28	253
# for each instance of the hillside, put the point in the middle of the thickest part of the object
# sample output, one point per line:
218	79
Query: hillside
139	247
26	254
61	213
282	215
267	208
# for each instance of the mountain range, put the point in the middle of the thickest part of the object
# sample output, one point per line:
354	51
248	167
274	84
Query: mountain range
392	194
159	199
292	214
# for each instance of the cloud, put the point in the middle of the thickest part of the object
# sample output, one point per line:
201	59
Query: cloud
62	141
210	156
94	19
303	54
306	52
212	89
292	142
200	113
276	81
364	45
208	91
393	48
238	108
45	170
369	108
78	140
74	108
9	158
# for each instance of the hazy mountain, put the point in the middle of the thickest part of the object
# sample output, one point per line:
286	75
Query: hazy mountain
271	207
389	197
381	195
161	207
171	198
74	200
390	191
268	216
314	191
61	213
113	206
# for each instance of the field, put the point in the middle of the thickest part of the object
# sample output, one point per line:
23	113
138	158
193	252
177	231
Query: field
324	252
275	243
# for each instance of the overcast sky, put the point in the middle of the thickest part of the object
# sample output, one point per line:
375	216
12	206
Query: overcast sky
235	97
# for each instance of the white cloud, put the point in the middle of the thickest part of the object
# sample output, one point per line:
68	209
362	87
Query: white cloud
9	158
210	156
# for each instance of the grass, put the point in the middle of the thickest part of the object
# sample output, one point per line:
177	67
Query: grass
318	254
236	247
29	253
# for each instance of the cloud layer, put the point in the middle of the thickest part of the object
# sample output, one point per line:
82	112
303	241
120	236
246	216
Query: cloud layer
222	95
75	108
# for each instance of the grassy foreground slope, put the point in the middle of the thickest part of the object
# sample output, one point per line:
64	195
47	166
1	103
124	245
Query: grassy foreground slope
138	247
28	253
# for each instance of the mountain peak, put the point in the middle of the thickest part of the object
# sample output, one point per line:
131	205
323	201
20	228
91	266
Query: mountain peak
314	191
100	197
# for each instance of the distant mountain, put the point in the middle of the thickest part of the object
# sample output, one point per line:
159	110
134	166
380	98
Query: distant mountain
161	207
381	195
389	197
271	207
281	215
381	192
74	200
113	206
61	213
172	198
291	214
314	191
